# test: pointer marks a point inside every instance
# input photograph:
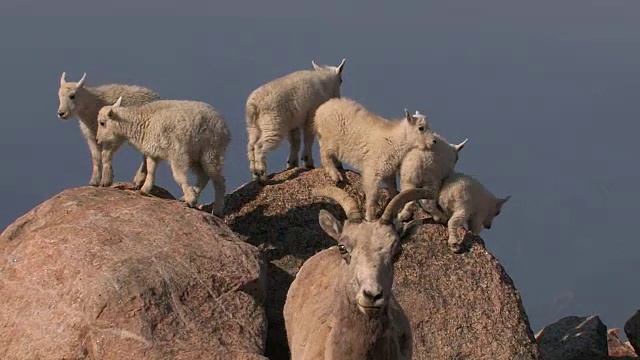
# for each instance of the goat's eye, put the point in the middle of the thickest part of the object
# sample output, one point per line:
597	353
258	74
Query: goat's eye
101	122
342	249
72	96
421	128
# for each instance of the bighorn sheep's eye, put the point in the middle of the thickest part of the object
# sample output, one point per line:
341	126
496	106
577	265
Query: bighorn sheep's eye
342	249
72	96
421	128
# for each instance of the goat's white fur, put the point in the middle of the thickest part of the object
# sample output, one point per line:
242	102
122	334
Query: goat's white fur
348	132
189	134
284	107
84	102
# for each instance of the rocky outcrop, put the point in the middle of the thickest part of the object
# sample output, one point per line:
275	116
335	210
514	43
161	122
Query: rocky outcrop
574	338
111	274
460	306
632	330
618	349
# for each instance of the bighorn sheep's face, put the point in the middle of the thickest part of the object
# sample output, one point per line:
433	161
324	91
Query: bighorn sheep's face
369	250
70	95
418	131
108	130
336	75
495	211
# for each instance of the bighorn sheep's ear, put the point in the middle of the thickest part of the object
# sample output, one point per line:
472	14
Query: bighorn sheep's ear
118	102
330	224
81	81
409	228
461	145
341	67
63	78
315	66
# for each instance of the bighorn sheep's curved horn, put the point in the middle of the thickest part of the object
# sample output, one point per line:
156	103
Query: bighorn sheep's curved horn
81	81
348	204
400	200
63	78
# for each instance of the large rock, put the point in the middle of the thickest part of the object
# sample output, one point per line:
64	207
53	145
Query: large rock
574	338
617	348
632	330
102	273
460	306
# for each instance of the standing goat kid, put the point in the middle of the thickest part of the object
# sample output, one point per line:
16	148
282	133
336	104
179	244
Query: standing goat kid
464	200
84	102
348	132
283	107
427	169
340	304
189	134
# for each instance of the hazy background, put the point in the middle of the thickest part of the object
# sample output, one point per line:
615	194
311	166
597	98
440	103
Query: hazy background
546	92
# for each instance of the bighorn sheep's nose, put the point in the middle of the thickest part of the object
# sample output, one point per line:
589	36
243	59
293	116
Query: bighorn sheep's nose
373	294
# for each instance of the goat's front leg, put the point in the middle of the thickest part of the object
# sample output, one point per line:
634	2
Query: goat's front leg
151	174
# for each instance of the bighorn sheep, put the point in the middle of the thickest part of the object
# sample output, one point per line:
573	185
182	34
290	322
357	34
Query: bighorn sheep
341	305
464	200
348	132
84	102
189	134
283	107
428	169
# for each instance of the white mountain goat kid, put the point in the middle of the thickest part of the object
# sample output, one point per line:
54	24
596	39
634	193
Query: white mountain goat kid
84	102
340	304
427	169
189	134
283	107
348	132
464	200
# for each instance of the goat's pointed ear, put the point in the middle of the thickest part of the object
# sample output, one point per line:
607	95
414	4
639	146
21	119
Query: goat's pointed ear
341	67
330	224
461	145
315	66
409	228
63	78
118	102
81	81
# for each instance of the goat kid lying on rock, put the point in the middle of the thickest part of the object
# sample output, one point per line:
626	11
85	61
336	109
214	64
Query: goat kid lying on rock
341	305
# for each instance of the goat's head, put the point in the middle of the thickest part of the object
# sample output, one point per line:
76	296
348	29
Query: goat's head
418	131
71	96
334	76
109	133
368	249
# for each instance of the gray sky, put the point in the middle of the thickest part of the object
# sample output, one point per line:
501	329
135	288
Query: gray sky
546	92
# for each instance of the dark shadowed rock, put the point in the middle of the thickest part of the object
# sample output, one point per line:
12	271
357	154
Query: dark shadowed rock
460	306
574	338
617	349
102	273
632	330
